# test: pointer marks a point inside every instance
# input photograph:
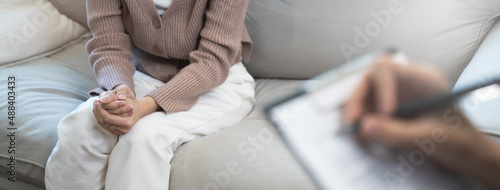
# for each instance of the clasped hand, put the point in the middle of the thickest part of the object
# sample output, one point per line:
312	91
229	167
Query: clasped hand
118	110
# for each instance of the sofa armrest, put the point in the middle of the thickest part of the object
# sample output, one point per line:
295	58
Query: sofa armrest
484	66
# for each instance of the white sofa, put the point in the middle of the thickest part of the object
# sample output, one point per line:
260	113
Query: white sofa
293	40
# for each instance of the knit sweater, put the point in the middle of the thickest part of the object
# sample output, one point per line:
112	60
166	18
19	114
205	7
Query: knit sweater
191	47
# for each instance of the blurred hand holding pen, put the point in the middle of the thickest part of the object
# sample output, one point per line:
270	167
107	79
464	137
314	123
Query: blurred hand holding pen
396	104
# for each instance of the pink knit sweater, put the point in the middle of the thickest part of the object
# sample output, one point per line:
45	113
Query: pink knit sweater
191	47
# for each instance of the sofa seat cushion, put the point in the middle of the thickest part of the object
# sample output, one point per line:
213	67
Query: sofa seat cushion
46	90
249	154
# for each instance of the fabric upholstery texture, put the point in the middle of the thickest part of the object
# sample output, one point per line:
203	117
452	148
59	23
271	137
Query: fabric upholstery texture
444	33
242	155
46	90
482	106
300	39
73	9
33	27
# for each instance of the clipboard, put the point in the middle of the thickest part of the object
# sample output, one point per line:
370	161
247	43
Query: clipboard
308	121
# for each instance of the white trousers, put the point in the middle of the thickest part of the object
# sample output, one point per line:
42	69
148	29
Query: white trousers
89	157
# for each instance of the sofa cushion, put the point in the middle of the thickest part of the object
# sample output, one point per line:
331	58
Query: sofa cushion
249	155
299	39
35	28
46	90
482	107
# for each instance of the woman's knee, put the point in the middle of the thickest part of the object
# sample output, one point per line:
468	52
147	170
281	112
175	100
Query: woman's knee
80	129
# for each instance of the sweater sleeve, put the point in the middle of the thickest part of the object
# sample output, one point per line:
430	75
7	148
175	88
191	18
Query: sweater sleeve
220	43
110	48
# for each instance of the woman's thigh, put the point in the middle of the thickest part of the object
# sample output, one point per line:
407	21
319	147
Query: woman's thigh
219	108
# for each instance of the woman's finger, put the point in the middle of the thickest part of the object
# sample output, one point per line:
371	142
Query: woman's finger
114	105
108	97
98	116
128	114
105	94
121	111
112	119
96	113
109	127
123	92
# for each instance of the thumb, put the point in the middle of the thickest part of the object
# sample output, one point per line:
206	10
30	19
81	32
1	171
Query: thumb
393	132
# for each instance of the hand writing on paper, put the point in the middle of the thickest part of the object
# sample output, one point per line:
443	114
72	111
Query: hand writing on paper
457	145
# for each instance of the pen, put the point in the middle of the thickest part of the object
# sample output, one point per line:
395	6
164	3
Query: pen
419	106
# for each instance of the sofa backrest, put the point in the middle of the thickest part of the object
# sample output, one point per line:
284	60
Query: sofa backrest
74	9
296	39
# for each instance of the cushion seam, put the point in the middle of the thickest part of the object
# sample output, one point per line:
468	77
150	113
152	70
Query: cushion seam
476	47
24	160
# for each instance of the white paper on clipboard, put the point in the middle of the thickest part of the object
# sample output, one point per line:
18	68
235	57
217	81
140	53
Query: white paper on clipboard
310	130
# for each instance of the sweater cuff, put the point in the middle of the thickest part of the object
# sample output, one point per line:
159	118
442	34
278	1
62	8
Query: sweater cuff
172	104
109	76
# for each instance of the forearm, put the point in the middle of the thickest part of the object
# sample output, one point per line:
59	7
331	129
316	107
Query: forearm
110	48
183	91
488	168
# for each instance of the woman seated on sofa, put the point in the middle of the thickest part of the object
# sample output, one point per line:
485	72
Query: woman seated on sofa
461	148
189	83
